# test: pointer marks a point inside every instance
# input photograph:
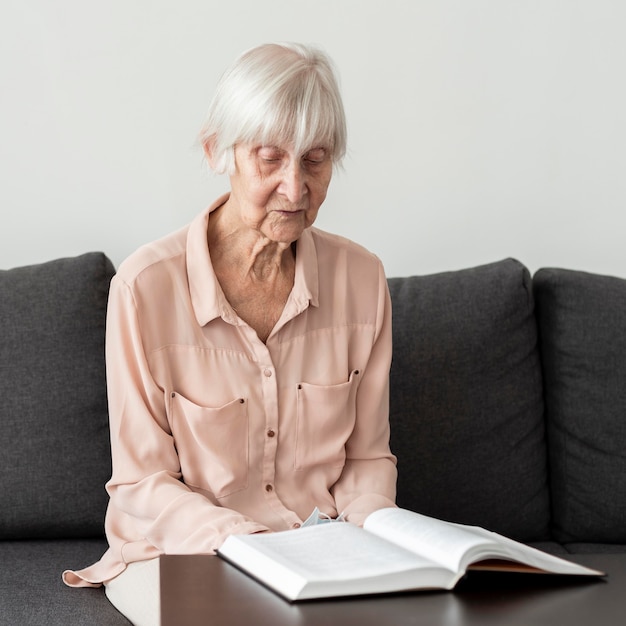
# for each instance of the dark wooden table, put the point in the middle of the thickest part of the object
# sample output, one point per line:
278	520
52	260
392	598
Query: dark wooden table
204	590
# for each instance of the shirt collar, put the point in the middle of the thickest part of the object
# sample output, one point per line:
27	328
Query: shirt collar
207	297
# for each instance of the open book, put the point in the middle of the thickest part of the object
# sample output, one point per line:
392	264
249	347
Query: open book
396	550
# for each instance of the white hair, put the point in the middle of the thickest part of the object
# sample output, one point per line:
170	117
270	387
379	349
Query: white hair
276	94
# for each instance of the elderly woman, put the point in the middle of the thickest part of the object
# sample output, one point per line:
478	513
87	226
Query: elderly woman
248	354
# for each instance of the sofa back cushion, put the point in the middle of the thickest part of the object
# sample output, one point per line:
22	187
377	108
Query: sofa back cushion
54	449
466	405
582	320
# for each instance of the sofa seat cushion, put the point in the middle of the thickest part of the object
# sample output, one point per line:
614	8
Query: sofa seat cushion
551	547
32	592
54	449
466	405
582	320
595	548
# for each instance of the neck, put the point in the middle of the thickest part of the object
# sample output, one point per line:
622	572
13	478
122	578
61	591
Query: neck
247	252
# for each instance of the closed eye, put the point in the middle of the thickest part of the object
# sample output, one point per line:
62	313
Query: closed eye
270	154
317	155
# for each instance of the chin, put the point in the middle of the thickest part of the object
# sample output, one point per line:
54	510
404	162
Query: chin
285	236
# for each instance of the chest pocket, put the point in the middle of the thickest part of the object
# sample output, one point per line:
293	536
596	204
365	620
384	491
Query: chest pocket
212	444
326	415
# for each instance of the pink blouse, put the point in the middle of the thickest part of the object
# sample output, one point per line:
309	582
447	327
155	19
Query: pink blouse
214	432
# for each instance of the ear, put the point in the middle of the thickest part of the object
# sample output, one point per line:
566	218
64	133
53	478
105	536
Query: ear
208	147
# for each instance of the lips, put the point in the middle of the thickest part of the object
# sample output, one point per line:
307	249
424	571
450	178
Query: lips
289	213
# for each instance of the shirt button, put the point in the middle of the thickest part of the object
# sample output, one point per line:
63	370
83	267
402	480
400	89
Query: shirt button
270	433
269	488
267	372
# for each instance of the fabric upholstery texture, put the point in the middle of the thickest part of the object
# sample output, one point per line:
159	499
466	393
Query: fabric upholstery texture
32	592
54	450
466	405
582	321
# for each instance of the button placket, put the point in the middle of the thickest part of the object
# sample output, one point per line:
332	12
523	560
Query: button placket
271	440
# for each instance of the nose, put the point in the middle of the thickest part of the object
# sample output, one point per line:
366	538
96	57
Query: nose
293	182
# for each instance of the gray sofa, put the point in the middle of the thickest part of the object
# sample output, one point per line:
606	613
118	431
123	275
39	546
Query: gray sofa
508	410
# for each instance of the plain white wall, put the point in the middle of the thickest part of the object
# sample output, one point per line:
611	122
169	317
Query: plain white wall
479	129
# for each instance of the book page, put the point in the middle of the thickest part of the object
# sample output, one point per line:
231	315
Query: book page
456	545
435	539
328	552
504	547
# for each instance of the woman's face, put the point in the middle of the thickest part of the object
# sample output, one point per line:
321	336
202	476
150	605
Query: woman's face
277	192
